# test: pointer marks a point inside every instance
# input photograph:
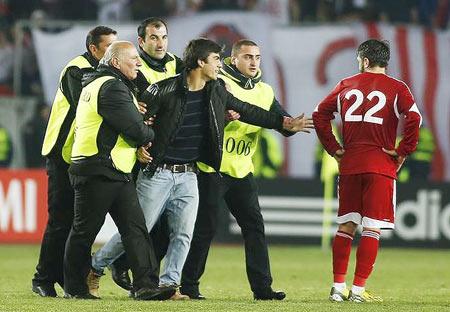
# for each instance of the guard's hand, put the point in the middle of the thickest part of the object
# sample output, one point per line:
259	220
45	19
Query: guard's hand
231	115
150	121
298	124
143	155
142	108
399	159
338	155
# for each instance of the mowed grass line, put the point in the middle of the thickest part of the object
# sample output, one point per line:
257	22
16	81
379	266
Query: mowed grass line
407	279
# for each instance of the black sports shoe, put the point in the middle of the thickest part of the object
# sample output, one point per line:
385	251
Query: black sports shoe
269	295
121	277
44	290
192	292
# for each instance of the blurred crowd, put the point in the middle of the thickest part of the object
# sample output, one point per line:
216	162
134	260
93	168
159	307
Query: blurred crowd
432	14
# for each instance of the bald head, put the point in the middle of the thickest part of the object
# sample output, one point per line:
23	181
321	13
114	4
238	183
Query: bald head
123	56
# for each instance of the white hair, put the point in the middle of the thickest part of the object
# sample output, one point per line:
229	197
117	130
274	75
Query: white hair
115	50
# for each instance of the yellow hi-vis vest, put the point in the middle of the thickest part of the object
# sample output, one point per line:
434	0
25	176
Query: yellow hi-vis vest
241	139
88	122
60	109
153	76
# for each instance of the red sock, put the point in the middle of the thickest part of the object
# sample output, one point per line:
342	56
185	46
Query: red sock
365	256
342	246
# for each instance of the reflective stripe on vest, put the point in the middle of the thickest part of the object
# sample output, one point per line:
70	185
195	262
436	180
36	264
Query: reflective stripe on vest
153	76
241	139
88	123
60	109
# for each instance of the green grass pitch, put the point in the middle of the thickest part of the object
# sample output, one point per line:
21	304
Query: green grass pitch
407	279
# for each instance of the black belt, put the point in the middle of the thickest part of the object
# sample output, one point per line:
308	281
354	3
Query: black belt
180	168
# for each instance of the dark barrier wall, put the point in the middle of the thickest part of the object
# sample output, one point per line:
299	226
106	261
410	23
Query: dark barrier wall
293	213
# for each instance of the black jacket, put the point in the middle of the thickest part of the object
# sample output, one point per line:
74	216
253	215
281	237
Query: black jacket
120	116
244	82
167	100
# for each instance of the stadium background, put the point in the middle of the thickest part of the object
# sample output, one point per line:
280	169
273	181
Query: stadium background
307	47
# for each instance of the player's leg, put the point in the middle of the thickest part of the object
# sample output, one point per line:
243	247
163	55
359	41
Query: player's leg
378	212
349	216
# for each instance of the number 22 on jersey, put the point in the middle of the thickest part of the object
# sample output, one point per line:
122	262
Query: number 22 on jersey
379	99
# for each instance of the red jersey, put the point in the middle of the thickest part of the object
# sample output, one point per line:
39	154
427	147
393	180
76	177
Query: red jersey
370	106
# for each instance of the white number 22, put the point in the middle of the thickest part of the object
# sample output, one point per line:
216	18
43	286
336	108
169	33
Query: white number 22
368	116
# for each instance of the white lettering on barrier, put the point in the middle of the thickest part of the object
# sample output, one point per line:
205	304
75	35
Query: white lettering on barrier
431	223
12	210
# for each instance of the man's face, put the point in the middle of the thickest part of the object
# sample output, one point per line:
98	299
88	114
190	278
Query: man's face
129	62
155	41
105	42
247	60
211	66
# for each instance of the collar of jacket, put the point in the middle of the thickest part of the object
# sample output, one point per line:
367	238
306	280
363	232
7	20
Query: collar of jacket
233	73
183	85
106	70
158	65
91	59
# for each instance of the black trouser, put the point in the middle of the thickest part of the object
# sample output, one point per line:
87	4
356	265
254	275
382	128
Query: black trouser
160	239
49	269
241	196
95	196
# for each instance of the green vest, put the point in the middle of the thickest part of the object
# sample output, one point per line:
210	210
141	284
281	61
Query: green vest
425	147
60	109
241	139
88	122
5	147
273	153
153	76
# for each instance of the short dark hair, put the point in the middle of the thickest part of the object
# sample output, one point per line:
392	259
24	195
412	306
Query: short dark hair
199	49
376	51
153	21
243	42
94	35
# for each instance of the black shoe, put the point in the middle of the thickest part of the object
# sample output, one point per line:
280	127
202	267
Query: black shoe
82	296
192	293
269	295
121	277
44	290
157	293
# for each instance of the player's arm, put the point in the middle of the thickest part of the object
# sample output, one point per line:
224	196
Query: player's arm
407	108
322	116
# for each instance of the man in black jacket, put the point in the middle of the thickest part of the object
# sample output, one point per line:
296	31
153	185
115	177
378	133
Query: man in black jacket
235	184
56	148
190	111
109	127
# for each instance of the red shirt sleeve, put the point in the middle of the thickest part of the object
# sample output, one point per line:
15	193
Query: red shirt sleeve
413	119
322	116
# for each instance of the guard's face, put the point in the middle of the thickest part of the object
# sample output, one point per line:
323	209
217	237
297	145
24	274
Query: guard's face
247	60
129	63
105	42
155	41
211	66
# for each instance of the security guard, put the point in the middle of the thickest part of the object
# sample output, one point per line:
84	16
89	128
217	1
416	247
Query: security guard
418	164
235	183
157	64
109	127
57	148
6	149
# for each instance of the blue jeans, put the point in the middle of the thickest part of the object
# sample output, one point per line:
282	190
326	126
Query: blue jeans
175	194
